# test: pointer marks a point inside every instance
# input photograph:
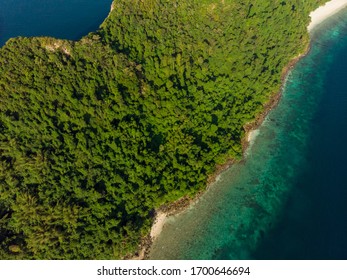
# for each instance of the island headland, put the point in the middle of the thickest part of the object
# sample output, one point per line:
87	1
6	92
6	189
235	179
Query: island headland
317	17
97	133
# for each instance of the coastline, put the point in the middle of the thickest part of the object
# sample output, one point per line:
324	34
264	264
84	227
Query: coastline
317	16
178	207
322	13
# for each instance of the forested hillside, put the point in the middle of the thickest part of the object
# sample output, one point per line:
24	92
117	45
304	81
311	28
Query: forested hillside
96	134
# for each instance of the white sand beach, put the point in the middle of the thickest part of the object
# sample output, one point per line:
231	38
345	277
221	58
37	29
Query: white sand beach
252	135
158	225
324	12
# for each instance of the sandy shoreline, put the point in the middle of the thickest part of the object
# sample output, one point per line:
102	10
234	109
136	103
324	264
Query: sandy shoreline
158	224
317	17
326	11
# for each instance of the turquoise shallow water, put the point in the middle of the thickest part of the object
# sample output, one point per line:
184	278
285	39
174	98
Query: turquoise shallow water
65	19
288	198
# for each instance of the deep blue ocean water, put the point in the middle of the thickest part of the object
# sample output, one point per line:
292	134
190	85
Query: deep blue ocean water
288	198
64	19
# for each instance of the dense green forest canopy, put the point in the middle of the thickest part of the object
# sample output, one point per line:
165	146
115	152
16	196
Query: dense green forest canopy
96	134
